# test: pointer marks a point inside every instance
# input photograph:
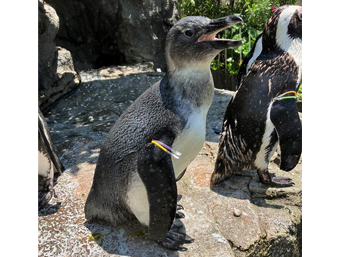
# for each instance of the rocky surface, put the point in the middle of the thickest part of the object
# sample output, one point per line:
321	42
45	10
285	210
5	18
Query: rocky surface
240	217
57	76
107	32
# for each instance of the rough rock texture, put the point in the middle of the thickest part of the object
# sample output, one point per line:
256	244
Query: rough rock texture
55	66
240	217
107	32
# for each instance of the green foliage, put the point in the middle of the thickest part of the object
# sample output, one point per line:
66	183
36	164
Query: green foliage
299	94
255	13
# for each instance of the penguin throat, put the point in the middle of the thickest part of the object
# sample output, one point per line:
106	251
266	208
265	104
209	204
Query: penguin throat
193	86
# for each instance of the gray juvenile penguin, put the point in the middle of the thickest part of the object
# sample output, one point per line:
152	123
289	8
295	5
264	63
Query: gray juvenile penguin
263	111
136	179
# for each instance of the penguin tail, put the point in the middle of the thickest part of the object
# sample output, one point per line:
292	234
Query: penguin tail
221	171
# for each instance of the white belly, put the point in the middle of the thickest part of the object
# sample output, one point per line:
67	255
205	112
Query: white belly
260	161
137	199
44	166
190	141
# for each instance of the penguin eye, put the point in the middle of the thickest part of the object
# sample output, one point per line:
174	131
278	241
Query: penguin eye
300	16
189	33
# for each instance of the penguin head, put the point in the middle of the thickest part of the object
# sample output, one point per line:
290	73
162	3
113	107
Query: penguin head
283	28
191	41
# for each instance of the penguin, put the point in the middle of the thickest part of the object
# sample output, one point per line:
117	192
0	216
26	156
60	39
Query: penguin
263	111
249	60
134	178
48	163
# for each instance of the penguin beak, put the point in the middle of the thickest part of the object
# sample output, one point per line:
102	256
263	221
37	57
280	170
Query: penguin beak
217	25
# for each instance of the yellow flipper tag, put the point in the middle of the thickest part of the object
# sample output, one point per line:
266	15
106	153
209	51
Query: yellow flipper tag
167	149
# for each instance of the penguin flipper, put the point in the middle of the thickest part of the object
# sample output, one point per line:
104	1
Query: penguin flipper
285	118
44	134
156	171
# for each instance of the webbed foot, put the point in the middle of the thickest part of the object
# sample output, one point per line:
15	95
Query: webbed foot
45	192
175	239
281	182
272	180
179	215
180	207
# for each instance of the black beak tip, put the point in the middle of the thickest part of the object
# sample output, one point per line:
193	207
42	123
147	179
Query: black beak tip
236	19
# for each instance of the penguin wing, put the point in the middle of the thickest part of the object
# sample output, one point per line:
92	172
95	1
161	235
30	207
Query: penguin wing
285	118
156	171
44	136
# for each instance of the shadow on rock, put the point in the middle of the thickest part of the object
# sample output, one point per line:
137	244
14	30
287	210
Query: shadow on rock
245	187
49	209
80	122
127	240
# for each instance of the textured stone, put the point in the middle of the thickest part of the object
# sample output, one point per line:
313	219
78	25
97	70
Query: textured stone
57	76
107	32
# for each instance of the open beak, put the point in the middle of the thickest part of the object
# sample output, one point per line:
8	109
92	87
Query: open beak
217	25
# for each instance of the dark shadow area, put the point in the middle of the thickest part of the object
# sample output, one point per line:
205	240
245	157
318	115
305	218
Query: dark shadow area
127	240
49	209
238	186
224	80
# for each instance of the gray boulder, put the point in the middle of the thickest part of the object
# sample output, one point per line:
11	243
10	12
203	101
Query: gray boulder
57	76
106	32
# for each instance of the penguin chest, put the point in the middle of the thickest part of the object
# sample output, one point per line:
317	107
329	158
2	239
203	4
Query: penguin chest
44	165
190	141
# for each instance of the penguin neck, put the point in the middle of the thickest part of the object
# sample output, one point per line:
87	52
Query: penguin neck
193	86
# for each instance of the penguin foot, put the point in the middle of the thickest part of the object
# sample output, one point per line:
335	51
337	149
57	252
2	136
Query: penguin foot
44	198
179	215
175	239
281	182
46	192
272	180
180	207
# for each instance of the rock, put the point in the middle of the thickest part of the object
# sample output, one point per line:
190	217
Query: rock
103	33
238	218
57	76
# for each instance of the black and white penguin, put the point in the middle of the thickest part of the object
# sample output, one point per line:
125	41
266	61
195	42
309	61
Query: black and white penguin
48	163
263	111
134	178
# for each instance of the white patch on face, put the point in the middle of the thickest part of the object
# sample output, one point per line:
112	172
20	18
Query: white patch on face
286	43
44	165
137	200
260	162
256	53
190	141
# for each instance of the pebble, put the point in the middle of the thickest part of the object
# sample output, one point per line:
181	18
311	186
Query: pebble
237	213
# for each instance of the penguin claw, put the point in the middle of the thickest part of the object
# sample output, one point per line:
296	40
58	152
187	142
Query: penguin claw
180	207
281	182
175	239
169	244
179	197
179	215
